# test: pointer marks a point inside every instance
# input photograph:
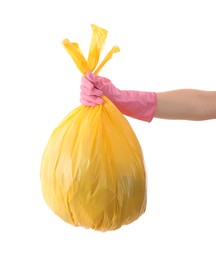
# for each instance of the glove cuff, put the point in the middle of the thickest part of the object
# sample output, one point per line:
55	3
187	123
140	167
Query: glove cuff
137	104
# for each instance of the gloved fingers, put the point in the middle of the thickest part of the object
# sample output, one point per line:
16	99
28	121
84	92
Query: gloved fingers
87	83
91	76
97	81
86	101
90	92
90	96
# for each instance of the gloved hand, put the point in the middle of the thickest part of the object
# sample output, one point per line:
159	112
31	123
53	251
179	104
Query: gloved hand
137	104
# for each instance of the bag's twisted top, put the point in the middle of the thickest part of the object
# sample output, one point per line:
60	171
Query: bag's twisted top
96	46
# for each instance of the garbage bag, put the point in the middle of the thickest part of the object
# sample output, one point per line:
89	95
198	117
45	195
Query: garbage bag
92	171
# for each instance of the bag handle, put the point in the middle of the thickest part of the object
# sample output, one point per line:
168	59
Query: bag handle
96	46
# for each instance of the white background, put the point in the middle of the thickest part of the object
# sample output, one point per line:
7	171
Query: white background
164	45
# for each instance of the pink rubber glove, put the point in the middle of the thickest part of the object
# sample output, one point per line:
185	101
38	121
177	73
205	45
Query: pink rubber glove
137	104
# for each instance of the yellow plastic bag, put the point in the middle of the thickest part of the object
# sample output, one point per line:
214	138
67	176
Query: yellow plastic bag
92	170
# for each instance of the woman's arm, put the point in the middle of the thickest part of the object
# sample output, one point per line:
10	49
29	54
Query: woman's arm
186	104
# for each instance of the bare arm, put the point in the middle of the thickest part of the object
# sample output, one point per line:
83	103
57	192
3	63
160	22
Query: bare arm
186	104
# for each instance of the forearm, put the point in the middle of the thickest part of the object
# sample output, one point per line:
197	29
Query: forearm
186	104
